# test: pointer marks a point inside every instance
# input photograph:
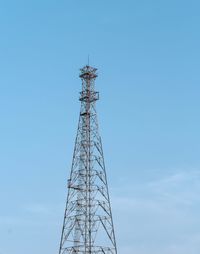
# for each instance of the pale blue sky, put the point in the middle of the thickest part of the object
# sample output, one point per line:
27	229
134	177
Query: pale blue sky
148	57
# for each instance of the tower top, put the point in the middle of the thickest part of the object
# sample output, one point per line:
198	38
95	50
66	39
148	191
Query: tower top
88	75
88	72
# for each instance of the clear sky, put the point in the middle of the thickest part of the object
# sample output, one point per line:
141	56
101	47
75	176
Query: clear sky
148	56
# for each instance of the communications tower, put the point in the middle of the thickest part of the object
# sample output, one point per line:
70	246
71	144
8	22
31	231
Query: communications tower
88	224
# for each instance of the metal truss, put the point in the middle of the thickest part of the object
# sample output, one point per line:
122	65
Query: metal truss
88	225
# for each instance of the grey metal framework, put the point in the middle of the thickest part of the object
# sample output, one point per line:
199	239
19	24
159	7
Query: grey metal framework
88	224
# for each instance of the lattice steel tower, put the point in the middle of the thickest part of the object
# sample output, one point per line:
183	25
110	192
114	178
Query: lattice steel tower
88	225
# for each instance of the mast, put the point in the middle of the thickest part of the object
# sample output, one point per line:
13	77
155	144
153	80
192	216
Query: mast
88	224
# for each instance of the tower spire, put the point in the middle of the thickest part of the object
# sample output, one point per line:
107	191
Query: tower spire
88	224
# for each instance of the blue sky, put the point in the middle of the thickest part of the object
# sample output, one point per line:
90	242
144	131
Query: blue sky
147	53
